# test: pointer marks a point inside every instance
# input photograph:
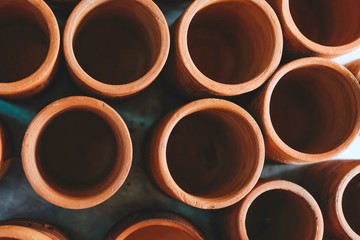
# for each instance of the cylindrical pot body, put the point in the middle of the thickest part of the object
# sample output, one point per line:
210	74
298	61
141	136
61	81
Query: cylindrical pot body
207	154
334	32
5	151
309	111
276	209
219	47
155	226
44	228
336	187
116	48
20	232
29	45
77	152
354	68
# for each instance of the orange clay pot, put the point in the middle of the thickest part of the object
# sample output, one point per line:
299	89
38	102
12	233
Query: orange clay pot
44	228
11	232
354	68
5	151
219	47
77	152
158	226
29	46
336	187
309	111
207	154
276	209
116	48
319	27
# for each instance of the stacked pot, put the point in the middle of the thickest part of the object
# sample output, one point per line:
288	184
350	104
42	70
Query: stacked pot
208	153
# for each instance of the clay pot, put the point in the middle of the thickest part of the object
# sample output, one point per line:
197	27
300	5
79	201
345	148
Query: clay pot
44	228
29	42
10	232
77	152
219	47
5	151
309	111
276	209
207	154
155	226
319	27
116	48
336	187
354	68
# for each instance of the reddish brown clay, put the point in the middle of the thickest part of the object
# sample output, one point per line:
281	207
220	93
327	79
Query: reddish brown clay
5	151
29	46
319	27
208	153
336	187
77	152
276	209
44	228
354	68
309	111
158	226
116	48
219	47
11	232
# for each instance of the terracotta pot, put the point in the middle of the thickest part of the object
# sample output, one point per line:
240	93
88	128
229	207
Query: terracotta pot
354	68
219	47
10	232
44	228
309	111
5	151
30	41
157	226
77	152
276	209
208	153
308	33
336	187
116	48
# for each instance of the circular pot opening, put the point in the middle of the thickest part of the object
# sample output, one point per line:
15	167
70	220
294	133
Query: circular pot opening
280	214
329	23
350	204
226	39
158	231
117	42
77	152
313	109
24	40
213	153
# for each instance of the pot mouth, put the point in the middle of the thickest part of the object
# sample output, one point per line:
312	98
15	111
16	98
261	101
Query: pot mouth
38	17
19	232
197	16
154	34
244	133
283	79
260	197
317	48
49	180
159	226
343	194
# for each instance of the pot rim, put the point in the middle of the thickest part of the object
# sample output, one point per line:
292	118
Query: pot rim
104	89
269	129
38	78
114	180
218	88
284	185
319	49
19	232
355	171
161	159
